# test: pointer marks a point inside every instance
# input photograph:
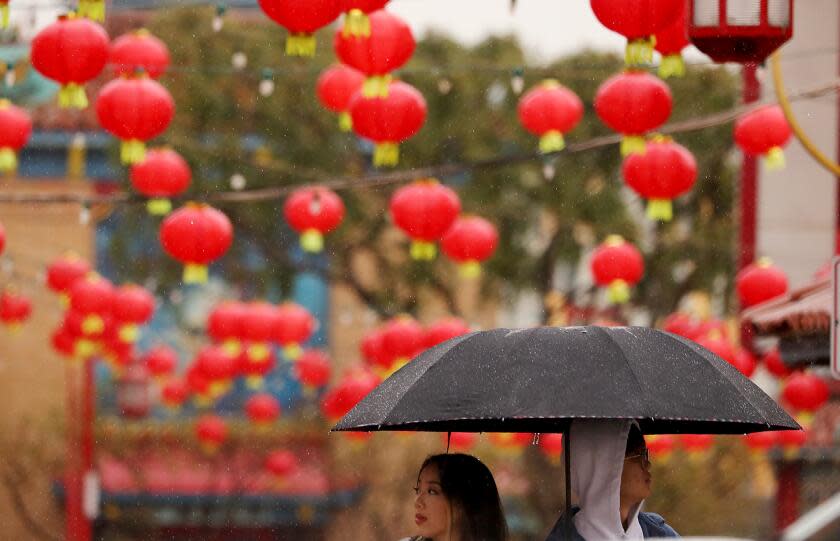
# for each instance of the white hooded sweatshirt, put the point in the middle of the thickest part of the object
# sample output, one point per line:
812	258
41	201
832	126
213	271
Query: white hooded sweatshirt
597	461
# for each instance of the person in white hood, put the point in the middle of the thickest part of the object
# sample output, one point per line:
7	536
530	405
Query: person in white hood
611	477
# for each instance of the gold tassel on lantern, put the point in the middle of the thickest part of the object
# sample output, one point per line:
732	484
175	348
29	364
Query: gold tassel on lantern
357	24
632	144
159	206
72	96
92	9
376	86
423	251
552	141
618	292
8	160
672	66
660	209
292	351
300	45
386	155
470	270
639	52
4	14
312	241
132	151
195	274
774	160
345	121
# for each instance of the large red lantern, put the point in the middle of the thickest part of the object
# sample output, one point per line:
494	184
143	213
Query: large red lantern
14	308
549	111
262	409
133	306
388	120
335	86
139	50
617	265
294	327
196	234
70	51
759	282
663	172
443	330
134	109
633	103
357	22
805	392
745	31
744	362
670	41
424	210
470	241
281	464
258	329
301	18
312	213
224	325
313	369
389	46
161	361
764	132
15	129
638	21
211	431
64	271
162	174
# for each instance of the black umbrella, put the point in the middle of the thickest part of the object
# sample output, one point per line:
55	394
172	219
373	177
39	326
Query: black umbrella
540	379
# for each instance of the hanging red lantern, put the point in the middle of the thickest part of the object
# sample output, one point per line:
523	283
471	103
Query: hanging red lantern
670	41
139	50
696	444
660	445
682	324
63	341
460	442
160	361
638	21
764	132
15	129
217	367
295	325
134	109
199	386
551	446
350	390
389	46
162	174
93	298
549	111
760	442
774	364
470	241
744	362
759	282
719	346
791	441
262	409
196	234
14	308
373	352
70	51
335	86
313	212
225	325
301	18
805	392
313	369
633	103
65	270
402	339
443	330
388	121
424	210
174	393
258	325
255	373
133	306
281	464
617	265
211	431
357	22
663	172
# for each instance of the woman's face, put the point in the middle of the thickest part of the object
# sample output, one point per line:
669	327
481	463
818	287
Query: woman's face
635	477
432	511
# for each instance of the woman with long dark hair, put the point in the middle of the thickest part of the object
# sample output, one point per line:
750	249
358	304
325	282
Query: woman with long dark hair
457	500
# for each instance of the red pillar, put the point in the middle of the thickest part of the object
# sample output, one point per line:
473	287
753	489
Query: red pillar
837	184
787	495
80	409
748	200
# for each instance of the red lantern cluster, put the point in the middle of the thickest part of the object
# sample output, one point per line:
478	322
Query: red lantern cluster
660	445
759	282
424	210
15	129
470	241
196	235
638	21
139	50
696	444
617	265
460	442
764	132
335	87
663	172
549	111
15	308
313	212
301	18
162	174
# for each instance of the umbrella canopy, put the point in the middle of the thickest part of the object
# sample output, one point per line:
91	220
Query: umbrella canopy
540	379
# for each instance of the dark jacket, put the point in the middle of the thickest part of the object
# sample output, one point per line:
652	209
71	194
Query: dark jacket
652	525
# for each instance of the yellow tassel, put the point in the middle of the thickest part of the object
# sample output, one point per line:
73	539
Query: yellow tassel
254	383
195	274
159	206
84	348
345	122
292	351
672	66
92	9
660	209
639	52
774	160
470	270
386	155
231	347
356	24
72	96
300	45
258	353
618	292
552	141
632	144
4	15
423	251
92	324
129	333
376	86
202	401
132	151
312	241
8	160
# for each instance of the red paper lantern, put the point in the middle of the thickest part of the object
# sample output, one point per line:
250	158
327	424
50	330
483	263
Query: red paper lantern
357	22
759	442
262	409
335	86
633	103
424	210
774	364
682	324
255	373
70	51
312	213
294	327
196	234
549	111
663	172
161	175
617	265
744	362
660	445
805	392
696	443
87	330
764	132
15	129
669	42
224	325
139	50
211	431
551	446
402	339
258	324
638	21
174	393
792	441
720	347
388	120
14	308
134	109
470	241
199	385
63	341
160	361
313	369
443	330
301	18
349	391
372	351
460	441
759	282
64	271
132	306
281	464
389	46
217	367
93	298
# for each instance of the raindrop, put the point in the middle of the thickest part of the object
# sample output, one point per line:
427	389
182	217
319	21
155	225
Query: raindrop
237	181
549	170
444	85
266	88
84	215
239	60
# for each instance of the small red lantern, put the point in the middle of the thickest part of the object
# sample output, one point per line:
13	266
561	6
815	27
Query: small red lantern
14	309
696	443
470	241
312	213
70	51
402	339
774	364
281	464
174	393
196	234
682	324
258	325
92	297
389	46
373	352
255	373
764	132
262	409
460	441
760	442
638	21
744	362
760	282
740	31
443	330
663	172
551	446
670	41
805	392
15	129
388	120
294	327
351	389
162	174
357	22
139	50
224	325
549	111
313	369
217	367
617	265
660	445
63	341
424	210
301	18
133	400
211	431
85	332
64	271
633	103
335	86
132	306
134	109
160	361
199	385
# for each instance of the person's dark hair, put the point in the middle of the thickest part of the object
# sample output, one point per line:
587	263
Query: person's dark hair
635	440
470	488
